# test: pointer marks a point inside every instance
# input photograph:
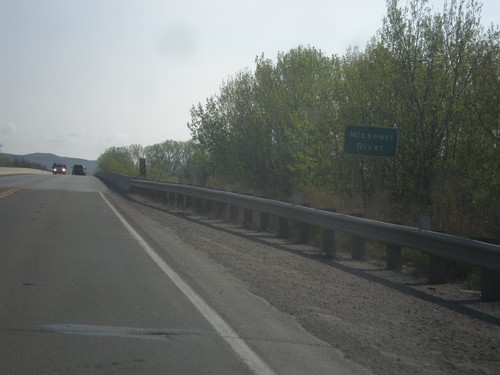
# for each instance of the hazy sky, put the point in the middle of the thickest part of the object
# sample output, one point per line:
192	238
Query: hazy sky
78	76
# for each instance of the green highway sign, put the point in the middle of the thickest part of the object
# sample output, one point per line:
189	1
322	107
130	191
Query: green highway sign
370	140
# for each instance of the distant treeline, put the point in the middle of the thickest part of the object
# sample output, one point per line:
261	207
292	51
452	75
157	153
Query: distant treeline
19	163
166	161
279	129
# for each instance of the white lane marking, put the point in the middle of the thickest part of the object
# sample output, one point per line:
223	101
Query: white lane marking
249	357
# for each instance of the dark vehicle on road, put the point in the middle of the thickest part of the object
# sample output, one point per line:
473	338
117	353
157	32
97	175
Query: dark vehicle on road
79	169
58	168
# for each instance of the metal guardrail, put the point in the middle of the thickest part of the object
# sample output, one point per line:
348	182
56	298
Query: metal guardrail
456	248
463	250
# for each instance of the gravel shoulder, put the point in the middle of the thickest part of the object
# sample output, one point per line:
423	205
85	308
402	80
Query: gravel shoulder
389	322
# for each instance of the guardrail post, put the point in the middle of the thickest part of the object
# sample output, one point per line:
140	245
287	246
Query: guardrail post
203	206
329	245
490	285
263	221
437	265
207	206
358	250
394	259
282	227
490	280
452	246
220	209
247	218
180	201
393	256
304	228
437	270
199	205
187	202
233	214
164	198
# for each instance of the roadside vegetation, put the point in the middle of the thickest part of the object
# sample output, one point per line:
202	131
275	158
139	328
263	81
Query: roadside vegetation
278	130
18	163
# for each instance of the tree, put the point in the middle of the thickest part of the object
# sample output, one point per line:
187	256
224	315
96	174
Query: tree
210	132
136	153
432	56
434	76
117	160
270	128
168	160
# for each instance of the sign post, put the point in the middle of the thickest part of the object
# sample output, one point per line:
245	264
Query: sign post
142	168
370	140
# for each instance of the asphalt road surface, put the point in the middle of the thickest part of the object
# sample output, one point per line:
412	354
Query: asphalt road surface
88	287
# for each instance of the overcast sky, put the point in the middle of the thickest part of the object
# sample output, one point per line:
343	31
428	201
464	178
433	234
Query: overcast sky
79	76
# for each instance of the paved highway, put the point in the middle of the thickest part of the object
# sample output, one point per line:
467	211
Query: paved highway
90	287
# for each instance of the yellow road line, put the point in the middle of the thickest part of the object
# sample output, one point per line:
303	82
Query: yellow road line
6	193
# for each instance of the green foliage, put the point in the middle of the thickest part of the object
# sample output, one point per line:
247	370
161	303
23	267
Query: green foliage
4	162
19	163
270	128
279	129
434	76
166	161
117	160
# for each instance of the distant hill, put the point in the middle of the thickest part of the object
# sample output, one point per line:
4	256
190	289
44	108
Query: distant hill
47	160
